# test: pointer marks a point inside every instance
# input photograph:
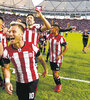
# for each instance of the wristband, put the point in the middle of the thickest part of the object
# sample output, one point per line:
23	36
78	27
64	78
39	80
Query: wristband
7	80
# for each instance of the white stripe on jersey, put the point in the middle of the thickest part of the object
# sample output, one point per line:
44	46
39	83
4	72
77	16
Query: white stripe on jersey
35	48
54	51
35	67
59	48
17	61
24	36
1	37
62	40
35	38
27	64
30	36
50	50
5	54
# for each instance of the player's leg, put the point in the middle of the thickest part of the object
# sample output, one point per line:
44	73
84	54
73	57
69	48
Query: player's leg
44	47
47	56
84	45
87	47
55	67
41	46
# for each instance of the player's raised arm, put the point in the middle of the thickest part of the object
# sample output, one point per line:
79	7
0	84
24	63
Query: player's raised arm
47	24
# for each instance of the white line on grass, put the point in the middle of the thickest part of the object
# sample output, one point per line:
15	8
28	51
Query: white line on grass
71	79
67	78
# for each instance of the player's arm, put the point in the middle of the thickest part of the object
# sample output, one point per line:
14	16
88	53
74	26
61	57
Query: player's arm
64	50
41	60
47	24
1	49
67	29
1	46
6	71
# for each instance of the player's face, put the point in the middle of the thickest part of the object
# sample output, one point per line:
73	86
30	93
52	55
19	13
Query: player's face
15	34
86	30
54	30
1	25
30	20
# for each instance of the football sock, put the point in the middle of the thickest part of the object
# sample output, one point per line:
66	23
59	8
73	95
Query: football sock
57	80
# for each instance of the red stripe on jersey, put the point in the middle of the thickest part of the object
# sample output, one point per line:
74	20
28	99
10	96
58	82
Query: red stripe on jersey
27	35
23	67
52	44
33	71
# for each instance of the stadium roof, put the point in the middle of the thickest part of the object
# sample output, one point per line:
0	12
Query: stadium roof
48	6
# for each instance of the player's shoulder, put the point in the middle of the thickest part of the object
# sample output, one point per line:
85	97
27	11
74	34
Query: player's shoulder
60	36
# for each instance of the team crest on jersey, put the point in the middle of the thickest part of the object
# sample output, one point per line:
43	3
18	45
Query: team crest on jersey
19	50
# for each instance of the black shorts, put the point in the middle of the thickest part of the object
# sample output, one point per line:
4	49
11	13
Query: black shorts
85	41
55	66
26	91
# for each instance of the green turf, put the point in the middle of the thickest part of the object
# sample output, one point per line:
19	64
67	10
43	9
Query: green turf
76	65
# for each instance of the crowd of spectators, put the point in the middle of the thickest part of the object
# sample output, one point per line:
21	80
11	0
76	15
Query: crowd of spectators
80	24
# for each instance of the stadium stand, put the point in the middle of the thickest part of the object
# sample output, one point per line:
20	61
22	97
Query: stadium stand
80	24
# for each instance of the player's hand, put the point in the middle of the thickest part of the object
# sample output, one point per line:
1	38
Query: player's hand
68	24
73	27
45	73
39	14
9	88
58	57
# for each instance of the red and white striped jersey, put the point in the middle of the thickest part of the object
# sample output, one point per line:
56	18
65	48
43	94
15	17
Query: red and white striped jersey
23	60
3	39
55	47
31	35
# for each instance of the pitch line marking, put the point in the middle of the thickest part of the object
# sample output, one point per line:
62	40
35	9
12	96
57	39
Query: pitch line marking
71	79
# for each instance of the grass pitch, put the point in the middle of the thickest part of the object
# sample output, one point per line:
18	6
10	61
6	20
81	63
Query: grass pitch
76	64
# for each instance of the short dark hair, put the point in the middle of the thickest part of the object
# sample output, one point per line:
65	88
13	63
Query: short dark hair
30	14
56	25
2	19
